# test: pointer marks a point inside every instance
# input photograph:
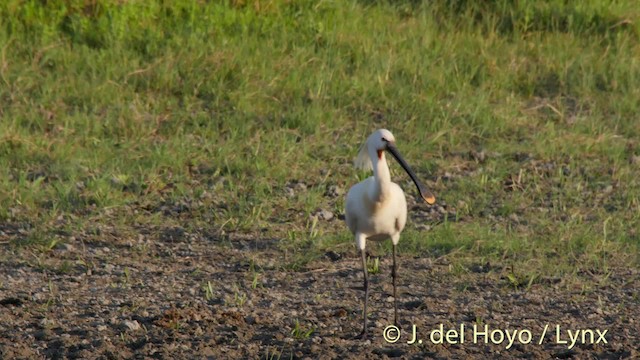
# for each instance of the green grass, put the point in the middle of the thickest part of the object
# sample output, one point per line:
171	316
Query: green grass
121	115
300	332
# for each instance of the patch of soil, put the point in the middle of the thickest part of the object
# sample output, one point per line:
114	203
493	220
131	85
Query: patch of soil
184	296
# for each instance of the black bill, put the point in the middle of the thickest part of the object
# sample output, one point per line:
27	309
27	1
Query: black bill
424	193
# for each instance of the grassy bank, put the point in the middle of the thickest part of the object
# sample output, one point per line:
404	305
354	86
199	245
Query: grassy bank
234	118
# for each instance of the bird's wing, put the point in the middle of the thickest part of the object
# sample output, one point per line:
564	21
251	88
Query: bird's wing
350	213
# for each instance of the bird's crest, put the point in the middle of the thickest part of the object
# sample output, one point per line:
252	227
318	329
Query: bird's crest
363	161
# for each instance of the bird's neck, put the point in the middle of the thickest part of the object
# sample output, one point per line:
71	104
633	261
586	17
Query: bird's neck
382	184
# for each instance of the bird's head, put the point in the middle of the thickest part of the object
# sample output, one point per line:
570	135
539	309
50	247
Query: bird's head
377	143
380	140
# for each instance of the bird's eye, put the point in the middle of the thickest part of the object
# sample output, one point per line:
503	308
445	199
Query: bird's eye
384	140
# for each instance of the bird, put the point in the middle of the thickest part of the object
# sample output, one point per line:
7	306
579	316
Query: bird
376	208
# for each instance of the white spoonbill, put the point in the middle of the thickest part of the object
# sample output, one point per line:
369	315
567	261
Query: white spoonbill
376	208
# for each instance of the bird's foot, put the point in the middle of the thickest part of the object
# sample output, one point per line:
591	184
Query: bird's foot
361	336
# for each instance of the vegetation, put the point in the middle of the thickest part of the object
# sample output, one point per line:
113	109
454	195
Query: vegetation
521	115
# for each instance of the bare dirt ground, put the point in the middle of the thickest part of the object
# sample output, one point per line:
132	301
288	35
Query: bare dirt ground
184	296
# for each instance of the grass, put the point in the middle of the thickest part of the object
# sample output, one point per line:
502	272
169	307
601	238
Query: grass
373	265
122	115
300	332
208	291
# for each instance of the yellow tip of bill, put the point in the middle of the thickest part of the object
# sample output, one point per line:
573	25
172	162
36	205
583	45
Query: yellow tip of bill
430	199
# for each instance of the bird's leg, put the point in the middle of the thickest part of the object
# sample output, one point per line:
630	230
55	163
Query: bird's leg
366	293
394	275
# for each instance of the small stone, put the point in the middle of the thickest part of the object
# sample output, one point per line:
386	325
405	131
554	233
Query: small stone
289	192
479	156
599	311
521	157
333	256
325	215
131	325
116	181
334	191
68	247
45	323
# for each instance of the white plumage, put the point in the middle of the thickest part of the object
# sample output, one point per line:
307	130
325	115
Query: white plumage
376	208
